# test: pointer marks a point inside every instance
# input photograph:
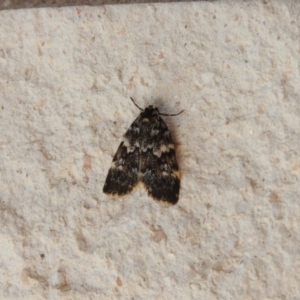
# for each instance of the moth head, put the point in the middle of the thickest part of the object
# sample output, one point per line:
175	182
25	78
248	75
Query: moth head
150	111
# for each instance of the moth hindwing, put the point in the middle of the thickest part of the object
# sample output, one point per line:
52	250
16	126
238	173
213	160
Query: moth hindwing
146	155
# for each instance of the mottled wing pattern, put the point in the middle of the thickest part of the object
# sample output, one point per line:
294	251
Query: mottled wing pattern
158	166
122	176
146	154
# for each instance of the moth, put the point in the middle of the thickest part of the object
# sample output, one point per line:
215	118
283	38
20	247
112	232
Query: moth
146	155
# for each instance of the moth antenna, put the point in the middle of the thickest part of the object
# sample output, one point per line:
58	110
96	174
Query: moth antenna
171	115
136	104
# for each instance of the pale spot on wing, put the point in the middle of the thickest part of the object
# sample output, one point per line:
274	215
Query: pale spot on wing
126	143
176	174
163	149
113	166
131	149
154	132
146	147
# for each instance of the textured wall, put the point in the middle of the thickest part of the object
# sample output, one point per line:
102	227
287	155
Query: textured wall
66	75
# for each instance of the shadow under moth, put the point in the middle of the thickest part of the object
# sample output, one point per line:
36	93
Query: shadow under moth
146	155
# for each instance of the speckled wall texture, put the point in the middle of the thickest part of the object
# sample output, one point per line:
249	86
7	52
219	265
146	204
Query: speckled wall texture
66	78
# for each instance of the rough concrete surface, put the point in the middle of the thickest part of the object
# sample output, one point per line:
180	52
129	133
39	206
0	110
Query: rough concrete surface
66	78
